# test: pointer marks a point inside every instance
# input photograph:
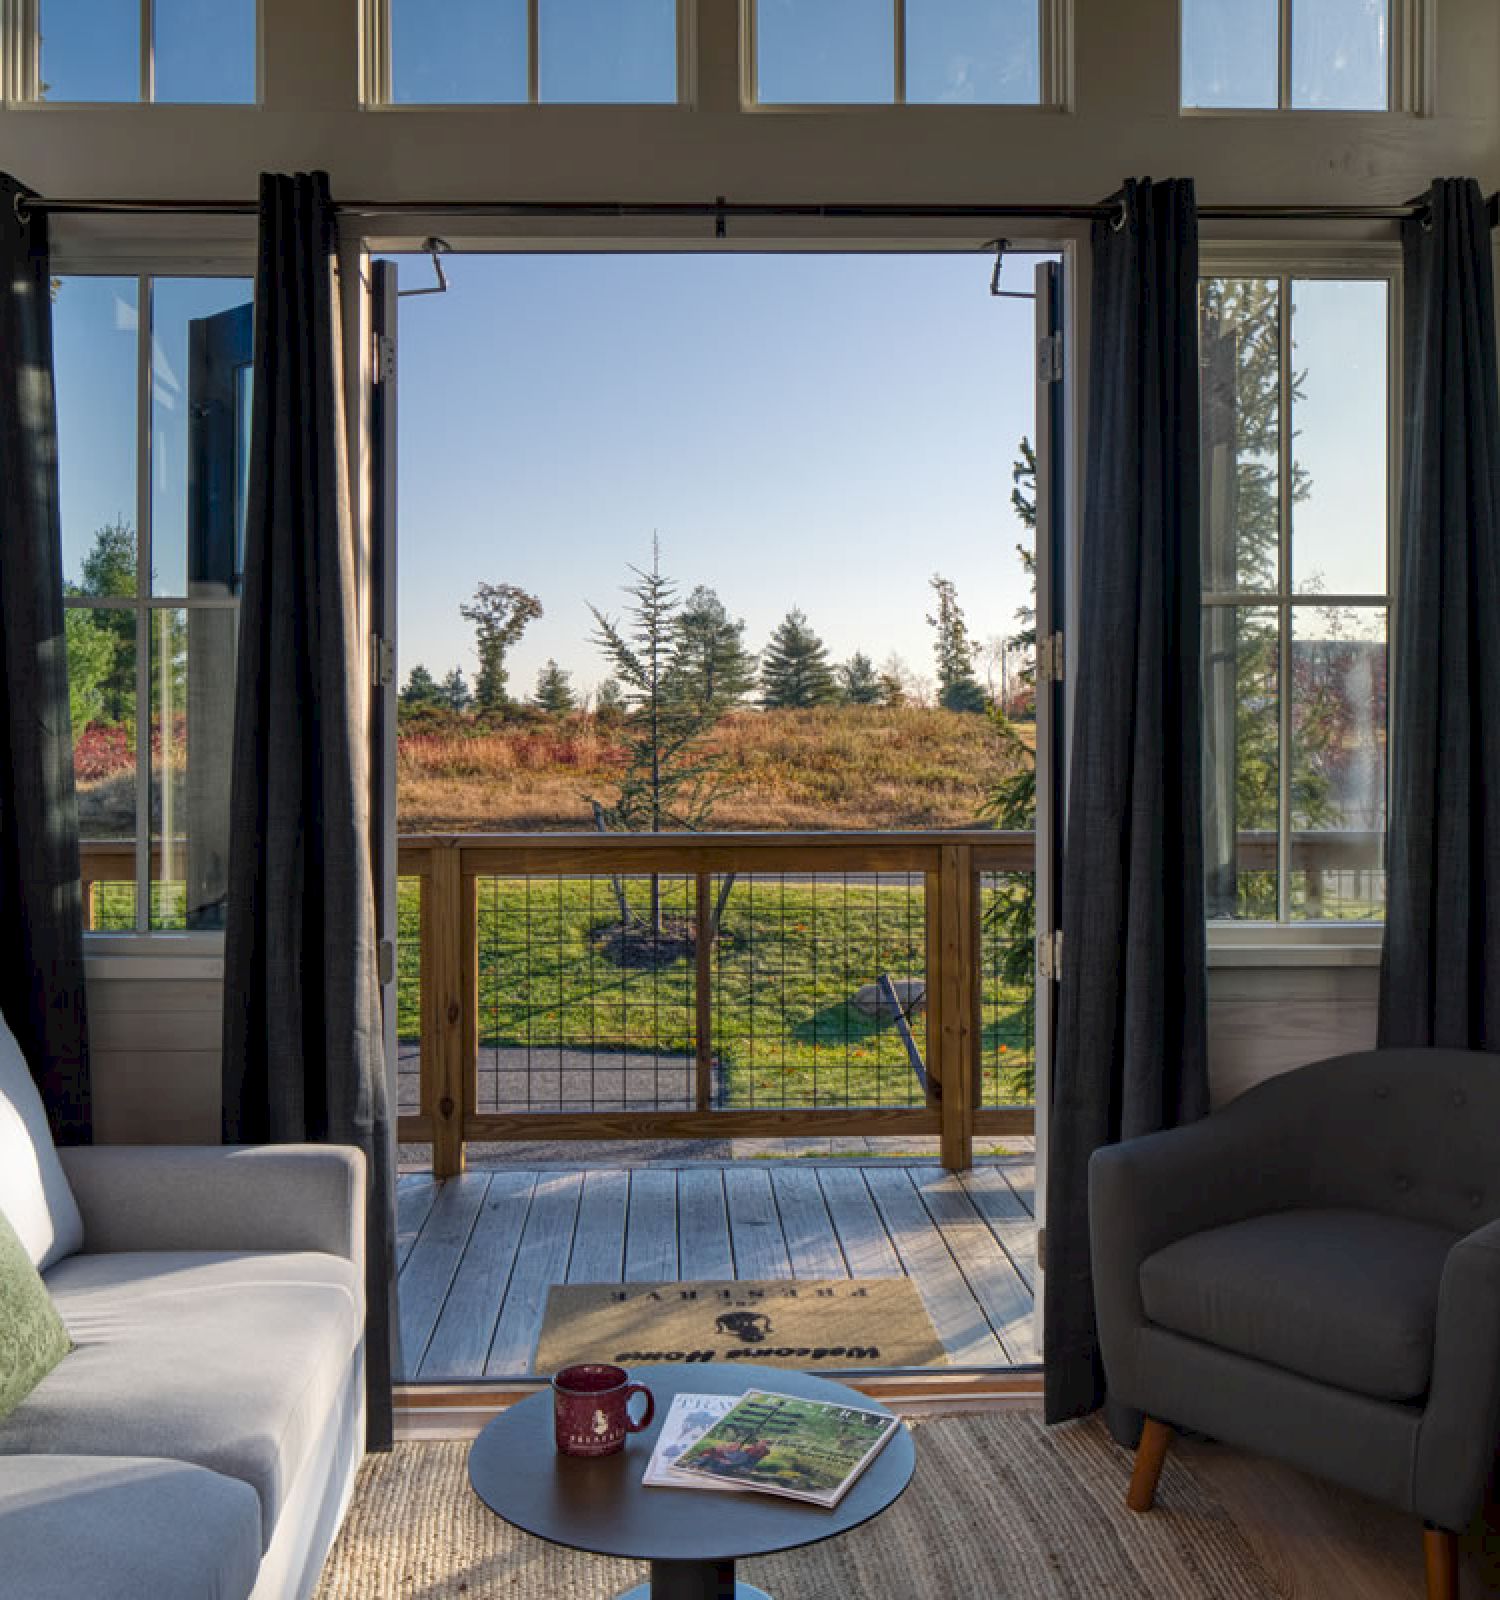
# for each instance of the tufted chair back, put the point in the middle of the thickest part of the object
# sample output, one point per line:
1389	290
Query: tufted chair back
1411	1133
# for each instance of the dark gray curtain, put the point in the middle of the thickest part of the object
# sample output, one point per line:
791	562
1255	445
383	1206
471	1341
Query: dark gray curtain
41	904
1131	1024
303	1055
1440	974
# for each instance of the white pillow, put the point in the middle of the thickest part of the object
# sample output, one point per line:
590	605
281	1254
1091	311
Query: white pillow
34	1192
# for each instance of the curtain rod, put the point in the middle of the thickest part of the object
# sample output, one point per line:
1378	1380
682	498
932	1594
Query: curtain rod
722	211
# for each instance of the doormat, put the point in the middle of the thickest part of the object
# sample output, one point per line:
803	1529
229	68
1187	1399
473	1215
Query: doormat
807	1323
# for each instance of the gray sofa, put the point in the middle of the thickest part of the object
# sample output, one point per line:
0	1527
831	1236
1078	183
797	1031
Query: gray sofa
203	1437
1314	1273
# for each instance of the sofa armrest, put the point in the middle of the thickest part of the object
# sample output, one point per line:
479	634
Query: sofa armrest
1150	1191
1461	1425
232	1197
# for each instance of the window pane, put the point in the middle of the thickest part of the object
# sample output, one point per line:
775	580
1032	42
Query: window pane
101	698
1339	415
94	343
192	714
1239	353
205	53
1241	760
825	52
460	52
1338	762
91	50
599	50
196	325
1341	55
1230	54
985	51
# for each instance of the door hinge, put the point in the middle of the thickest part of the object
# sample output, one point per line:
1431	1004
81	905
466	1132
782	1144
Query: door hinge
382	662
385	358
1041	1249
1049	358
1049	658
386	961
1049	955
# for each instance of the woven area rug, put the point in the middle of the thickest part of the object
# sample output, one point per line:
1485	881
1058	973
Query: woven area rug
1000	1507
804	1323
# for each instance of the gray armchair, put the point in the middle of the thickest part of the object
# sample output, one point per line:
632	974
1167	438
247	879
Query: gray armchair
1314	1273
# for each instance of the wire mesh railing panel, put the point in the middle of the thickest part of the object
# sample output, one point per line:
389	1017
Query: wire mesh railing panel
409	996
800	1015
1007	1004
586	993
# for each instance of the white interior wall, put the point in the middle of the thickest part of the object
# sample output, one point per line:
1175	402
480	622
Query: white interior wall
155	1020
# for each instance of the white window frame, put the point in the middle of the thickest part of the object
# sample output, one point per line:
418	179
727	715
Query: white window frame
1055	42
1334	943
1411	87
131	263
21	61
377	64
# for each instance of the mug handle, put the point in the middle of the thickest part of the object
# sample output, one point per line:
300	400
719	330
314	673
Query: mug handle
632	1426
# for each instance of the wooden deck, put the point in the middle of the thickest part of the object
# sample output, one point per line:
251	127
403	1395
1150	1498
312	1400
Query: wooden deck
478	1253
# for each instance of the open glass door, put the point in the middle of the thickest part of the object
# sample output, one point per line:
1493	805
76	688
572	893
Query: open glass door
1051	567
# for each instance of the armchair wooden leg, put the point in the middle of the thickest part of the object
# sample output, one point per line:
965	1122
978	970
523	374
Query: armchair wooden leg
1150	1453
1441	1550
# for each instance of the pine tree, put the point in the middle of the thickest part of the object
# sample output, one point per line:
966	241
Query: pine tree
554	690
958	689
858	681
109	573
455	691
500	613
712	667
421	689
609	700
795	673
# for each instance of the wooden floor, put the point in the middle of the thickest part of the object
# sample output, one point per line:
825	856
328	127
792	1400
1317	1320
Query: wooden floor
478	1253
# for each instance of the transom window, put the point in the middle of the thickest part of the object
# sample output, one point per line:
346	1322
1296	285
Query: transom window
101	51
1305	55
833	52
1296	431
153	382
508	52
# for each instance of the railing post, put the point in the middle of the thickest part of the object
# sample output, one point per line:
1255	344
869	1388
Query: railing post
703	949
958	988
448	961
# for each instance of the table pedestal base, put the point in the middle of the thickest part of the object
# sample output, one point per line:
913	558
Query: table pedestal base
693	1580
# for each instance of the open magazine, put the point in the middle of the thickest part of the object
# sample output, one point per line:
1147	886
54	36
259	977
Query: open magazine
771	1443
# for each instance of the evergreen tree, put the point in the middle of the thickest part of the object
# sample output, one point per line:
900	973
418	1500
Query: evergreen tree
455	691
109	573
500	613
894	682
795	673
421	689
858	681
91	658
712	667
958	688
554	690
666	782
609	700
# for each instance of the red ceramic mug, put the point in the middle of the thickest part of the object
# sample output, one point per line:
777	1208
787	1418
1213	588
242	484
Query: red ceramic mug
591	1409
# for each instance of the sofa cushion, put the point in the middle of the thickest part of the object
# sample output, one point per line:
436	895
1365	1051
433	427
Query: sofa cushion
34	1192
1346	1297
132	1529
232	1362
32	1336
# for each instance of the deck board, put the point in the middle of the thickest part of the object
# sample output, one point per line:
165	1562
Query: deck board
541	1261
480	1252
703	1226
462	1335
755	1225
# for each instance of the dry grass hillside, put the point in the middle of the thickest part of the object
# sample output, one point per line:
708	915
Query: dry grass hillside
838	767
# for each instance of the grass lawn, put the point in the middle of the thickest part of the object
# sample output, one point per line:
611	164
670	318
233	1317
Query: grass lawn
554	973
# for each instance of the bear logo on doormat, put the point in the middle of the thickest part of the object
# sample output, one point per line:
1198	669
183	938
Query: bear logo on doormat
749	1327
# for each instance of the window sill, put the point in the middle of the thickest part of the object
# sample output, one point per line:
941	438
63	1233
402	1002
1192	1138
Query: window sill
1294	949
149	957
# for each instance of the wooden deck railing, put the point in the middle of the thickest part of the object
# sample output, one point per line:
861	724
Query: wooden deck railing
945	868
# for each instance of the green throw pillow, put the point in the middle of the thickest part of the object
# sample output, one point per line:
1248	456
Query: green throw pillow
32	1336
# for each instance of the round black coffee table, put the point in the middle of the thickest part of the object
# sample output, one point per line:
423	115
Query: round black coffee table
691	1537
